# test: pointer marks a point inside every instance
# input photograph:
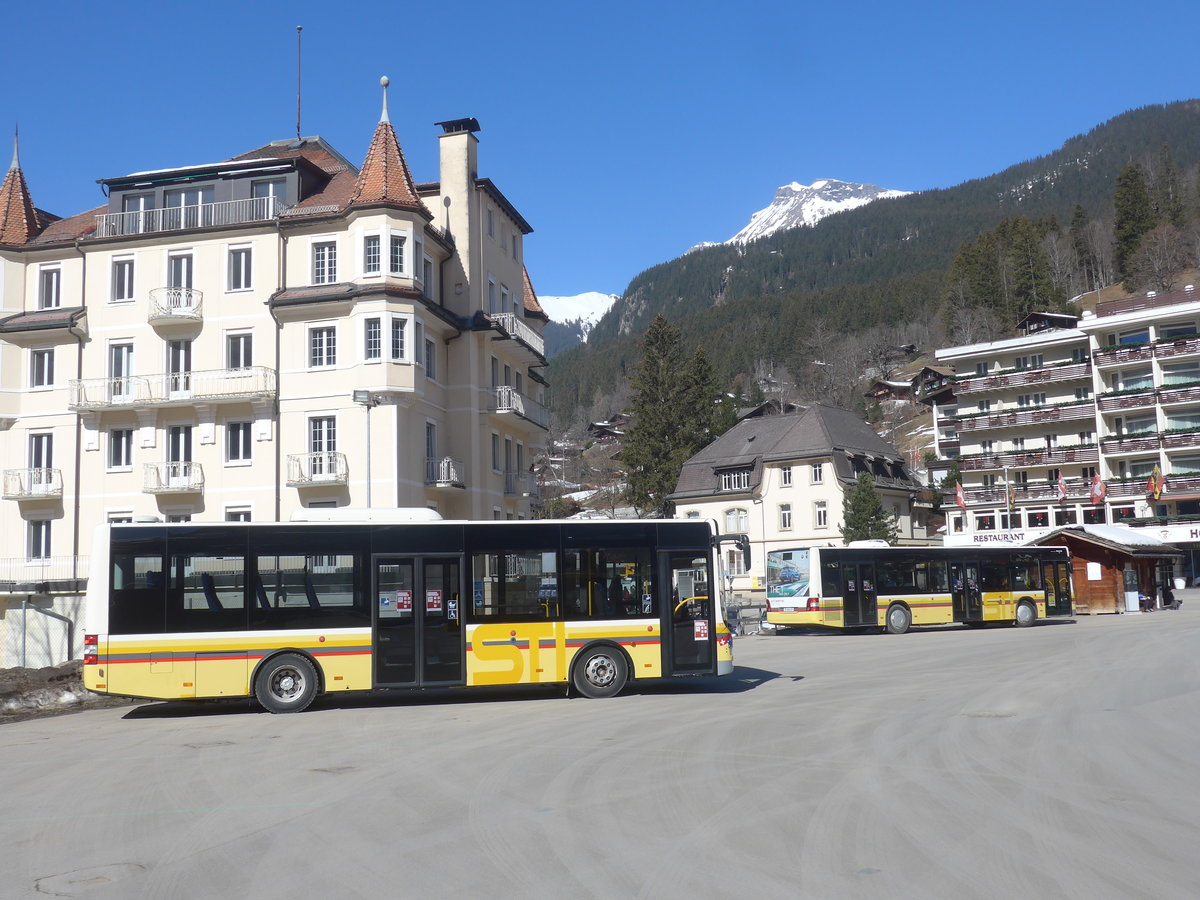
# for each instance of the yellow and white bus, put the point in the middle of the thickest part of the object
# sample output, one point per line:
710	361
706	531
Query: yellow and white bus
286	612
894	587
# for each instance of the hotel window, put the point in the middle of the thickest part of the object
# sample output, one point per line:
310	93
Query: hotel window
120	448
322	347
276	187
239	351
122	280
985	406
399	327
514	246
495	452
427	276
324	262
371	251
418	253
735	479
237	442
41	368
372	340
1176	330
1083	393
1033	361
430	360
821	514
239	269
981	368
38	541
735	562
503	299
237	514
785	517
818	473
396	255
1181	373
785	476
49	287
492	297
1031	400
1132	379
736	520
491	223
985	522
1087	473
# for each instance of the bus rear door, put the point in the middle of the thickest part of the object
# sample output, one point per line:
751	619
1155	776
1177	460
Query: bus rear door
418	637
964	592
859	595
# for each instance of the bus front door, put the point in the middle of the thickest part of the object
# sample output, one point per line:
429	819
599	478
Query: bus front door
691	632
1057	579
859	595
418	636
964	592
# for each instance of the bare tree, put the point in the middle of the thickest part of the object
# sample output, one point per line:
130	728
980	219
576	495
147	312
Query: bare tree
973	325
1160	258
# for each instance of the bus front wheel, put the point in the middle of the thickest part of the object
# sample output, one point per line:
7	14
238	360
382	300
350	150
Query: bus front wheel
898	619
286	684
1026	615
600	672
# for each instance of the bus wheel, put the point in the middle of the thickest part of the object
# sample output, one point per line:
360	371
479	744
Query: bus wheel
286	684
600	672
898	619
1026	615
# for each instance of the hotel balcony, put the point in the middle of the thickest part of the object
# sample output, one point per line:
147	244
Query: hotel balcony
32	484
975	384
175	306
317	469
507	399
173	478
1179	439
1130	443
513	327
1077	489
20	575
1138	398
1185	346
173	389
1049	456
521	484
181	218
1179	393
1119	356
1027	415
445	472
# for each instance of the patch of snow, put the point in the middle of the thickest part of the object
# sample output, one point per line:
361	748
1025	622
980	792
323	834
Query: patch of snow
583	310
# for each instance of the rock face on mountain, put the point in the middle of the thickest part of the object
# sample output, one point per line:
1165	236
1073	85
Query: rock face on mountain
806	204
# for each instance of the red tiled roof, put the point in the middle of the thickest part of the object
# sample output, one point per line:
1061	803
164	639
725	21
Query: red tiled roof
532	307
76	226
18	220
384	177
313	149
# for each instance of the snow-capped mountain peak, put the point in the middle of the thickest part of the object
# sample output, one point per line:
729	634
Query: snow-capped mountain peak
581	311
798	204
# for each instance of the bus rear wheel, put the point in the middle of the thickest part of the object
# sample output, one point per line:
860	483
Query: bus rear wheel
1026	615
898	619
600	672
286	684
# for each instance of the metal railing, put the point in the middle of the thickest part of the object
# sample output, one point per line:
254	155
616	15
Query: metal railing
1022	378
172	388
522	484
21	575
509	399
178	218
173	478
174	304
32	484
445	471
1028	415
322	467
516	328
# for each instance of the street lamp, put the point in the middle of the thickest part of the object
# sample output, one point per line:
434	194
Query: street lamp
368	400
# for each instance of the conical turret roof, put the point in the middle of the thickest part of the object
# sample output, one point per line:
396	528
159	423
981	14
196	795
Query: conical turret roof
18	219
384	177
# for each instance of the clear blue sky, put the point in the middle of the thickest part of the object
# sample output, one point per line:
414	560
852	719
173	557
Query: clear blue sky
623	132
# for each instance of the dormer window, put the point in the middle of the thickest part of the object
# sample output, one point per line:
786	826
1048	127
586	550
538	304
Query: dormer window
275	187
735	479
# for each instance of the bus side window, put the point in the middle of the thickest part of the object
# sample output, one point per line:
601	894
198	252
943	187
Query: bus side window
831	579
995	576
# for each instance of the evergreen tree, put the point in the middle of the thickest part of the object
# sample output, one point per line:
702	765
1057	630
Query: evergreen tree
664	431
1089	270
1169	207
1134	216
863	514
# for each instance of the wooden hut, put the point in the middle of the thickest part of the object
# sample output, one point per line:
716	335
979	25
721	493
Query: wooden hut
1113	564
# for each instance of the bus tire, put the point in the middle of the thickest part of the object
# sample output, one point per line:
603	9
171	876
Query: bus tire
898	619
600	671
1026	614
286	683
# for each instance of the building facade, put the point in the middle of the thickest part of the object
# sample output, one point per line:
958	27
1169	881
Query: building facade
781	480
279	330
1081	422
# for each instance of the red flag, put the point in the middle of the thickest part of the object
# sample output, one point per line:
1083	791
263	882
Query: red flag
959	497
1062	489
1099	489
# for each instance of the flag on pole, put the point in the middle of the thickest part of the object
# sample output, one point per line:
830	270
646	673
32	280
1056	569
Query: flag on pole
1011	496
959	497
1062	489
1155	485
1099	489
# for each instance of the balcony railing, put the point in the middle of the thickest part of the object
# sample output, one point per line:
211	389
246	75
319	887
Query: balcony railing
1138	443
19	575
1113	356
32	484
1023	378
1032	491
178	218
521	484
173	305
1183	393
515	328
173	388
1030	415
509	399
1177	347
173	478
1181	439
321	468
1052	456
445	471
1137	399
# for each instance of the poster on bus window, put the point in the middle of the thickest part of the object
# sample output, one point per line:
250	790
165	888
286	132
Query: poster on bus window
433	601
787	574
701	632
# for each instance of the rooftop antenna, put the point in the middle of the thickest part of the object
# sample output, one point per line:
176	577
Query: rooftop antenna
383	82
299	28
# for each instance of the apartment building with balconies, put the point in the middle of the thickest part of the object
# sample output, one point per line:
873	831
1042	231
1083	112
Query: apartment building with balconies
278	330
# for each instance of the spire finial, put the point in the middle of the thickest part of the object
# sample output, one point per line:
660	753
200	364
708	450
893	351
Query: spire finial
383	82
16	163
